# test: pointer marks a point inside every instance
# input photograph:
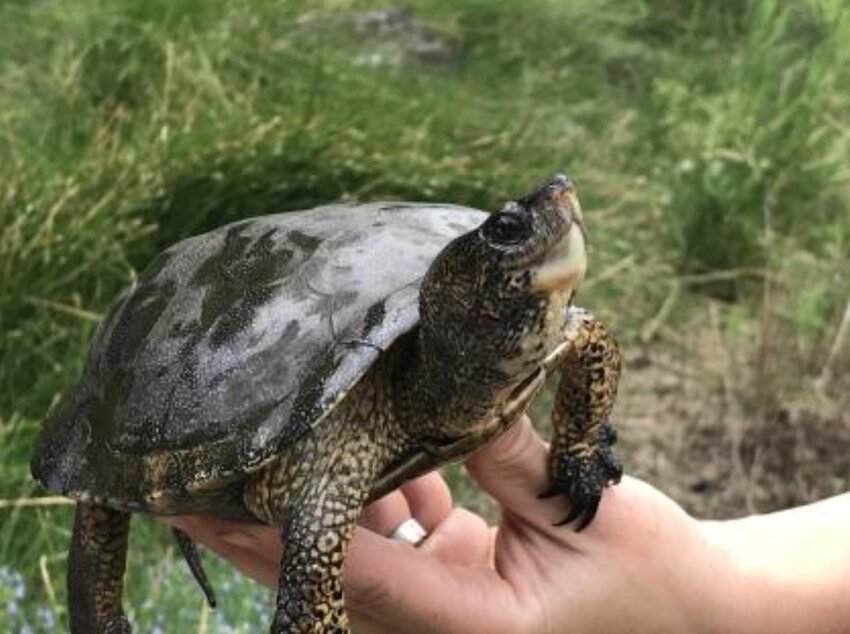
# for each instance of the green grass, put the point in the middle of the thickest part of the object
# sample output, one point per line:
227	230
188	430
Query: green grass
705	136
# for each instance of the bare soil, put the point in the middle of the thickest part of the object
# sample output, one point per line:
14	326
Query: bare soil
692	423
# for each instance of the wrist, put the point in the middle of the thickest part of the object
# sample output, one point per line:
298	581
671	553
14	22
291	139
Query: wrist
685	569
788	571
730	589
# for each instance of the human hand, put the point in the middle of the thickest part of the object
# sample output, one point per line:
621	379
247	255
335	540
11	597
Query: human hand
642	564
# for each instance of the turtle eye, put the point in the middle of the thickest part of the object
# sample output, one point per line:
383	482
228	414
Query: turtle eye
507	228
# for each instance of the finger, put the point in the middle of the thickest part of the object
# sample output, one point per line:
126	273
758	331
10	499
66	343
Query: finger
514	470
262	568
461	539
429	500
384	515
210	529
411	591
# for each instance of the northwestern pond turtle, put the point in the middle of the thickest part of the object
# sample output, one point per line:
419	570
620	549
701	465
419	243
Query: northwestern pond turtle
290	368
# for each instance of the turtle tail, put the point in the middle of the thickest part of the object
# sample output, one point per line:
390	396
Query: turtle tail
96	567
193	560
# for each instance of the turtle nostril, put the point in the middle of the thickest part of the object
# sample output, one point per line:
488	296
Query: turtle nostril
561	185
554	190
561	181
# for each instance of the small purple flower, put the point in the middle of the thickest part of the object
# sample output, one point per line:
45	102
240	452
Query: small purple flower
47	618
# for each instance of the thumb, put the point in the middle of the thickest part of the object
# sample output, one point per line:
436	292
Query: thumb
514	470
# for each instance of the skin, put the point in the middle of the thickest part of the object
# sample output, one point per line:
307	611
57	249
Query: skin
643	563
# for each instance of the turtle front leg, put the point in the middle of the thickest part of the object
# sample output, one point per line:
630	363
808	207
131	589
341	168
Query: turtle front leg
581	462
96	566
316	495
309	597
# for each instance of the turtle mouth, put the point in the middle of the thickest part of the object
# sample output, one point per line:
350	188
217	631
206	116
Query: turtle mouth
564	265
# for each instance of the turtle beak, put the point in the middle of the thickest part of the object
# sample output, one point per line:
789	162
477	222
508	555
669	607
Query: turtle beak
565	263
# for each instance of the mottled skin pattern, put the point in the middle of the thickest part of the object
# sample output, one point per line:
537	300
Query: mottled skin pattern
330	475
96	565
388	389
315	491
580	455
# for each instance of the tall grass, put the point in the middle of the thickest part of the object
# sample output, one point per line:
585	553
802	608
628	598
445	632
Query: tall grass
705	137
763	153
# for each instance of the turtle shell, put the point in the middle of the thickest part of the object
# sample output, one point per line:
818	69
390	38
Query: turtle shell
236	342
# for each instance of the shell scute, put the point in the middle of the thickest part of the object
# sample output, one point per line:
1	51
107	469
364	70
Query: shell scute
236	341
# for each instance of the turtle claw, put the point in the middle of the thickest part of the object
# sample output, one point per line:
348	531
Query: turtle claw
582	478
589	513
573	515
550	492
582	509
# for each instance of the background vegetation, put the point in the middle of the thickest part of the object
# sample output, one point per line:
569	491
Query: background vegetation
710	141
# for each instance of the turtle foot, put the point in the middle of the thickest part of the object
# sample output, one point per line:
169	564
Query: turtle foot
582	477
118	625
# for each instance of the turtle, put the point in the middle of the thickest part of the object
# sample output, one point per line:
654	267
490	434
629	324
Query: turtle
290	368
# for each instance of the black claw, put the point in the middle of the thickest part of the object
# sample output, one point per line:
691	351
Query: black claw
582	478
615	469
574	513
589	514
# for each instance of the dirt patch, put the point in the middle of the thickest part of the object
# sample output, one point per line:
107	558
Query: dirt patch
691	426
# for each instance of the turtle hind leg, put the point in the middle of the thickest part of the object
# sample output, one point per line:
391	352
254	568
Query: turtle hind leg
96	565
309	598
193	560
581	462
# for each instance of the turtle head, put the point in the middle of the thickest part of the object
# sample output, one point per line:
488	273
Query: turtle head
497	296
